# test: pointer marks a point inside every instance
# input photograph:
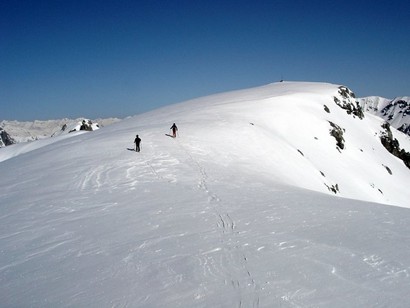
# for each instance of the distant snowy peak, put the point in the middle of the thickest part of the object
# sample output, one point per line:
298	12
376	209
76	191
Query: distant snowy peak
396	112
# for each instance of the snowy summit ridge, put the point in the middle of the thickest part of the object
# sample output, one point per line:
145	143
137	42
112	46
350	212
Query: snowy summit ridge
302	134
241	209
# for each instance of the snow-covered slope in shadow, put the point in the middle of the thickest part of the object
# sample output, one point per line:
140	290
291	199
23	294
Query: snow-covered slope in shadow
219	216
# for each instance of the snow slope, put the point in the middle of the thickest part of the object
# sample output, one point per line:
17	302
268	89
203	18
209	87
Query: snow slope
228	214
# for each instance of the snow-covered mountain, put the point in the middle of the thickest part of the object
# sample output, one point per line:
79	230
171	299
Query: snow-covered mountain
242	209
30	131
396	112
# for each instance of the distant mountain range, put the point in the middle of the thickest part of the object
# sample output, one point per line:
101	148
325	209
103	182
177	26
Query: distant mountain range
12	132
396	112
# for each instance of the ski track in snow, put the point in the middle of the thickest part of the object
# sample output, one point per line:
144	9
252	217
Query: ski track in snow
247	289
158	167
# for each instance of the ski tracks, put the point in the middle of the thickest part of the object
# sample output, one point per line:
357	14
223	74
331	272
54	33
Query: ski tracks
234	259
228	262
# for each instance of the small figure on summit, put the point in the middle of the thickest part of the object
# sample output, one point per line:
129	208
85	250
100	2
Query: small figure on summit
137	142
174	130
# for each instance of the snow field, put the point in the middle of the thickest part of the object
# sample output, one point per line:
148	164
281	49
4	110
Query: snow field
221	216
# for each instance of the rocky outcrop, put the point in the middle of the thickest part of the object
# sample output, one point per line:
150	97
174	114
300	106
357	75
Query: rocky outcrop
337	132
404	128
5	138
347	101
86	125
392	144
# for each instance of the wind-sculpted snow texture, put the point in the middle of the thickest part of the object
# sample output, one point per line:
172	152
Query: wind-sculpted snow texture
218	217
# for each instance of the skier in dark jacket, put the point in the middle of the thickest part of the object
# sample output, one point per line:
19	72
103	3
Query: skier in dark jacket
174	130
137	142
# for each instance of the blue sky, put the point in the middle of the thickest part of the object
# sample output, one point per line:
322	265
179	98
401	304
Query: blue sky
120	58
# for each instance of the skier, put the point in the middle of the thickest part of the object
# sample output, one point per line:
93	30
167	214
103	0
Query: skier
174	130
137	142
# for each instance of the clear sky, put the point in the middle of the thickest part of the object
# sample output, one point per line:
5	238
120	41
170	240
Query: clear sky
120	58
